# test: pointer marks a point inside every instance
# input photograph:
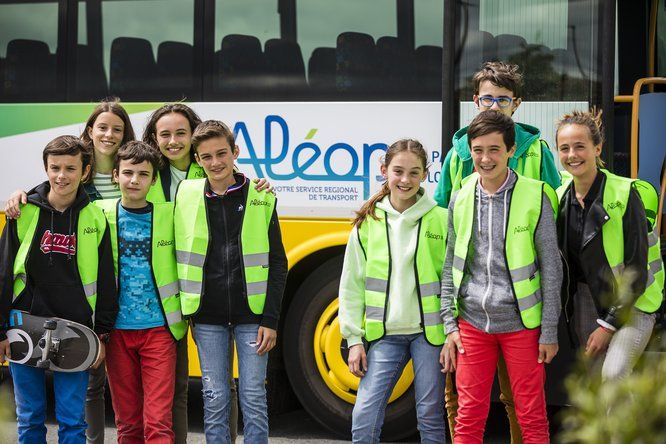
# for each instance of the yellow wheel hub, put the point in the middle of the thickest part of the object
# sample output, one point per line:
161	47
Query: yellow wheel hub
331	365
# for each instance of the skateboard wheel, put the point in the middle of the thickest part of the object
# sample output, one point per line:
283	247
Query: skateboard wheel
50	324
43	364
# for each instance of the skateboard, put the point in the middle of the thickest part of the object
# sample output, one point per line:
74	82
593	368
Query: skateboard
51	343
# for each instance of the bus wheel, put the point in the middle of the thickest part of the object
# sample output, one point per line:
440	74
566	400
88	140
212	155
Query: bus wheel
316	364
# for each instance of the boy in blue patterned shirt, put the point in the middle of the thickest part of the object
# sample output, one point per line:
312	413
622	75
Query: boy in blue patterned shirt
141	356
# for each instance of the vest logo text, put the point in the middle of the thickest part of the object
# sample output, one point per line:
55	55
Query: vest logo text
530	154
521	229
614	205
164	243
434	236
258	202
90	230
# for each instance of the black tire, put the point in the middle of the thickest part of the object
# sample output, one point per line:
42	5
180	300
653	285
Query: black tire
333	413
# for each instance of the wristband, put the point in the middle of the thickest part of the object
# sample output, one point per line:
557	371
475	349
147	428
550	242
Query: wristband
607	330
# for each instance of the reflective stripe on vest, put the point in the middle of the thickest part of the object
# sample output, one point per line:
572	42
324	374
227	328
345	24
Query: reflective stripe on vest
163	259
156	192
519	249
192	239
615	199
527	165
89	233
429	258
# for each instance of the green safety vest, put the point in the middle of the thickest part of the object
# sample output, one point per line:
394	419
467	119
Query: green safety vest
519	250
192	239
615	199
89	233
156	192
528	165
163	259
429	258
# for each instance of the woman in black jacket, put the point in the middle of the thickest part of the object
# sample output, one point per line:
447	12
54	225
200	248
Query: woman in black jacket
612	286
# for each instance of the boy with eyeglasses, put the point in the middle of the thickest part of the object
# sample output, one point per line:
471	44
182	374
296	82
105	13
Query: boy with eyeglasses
498	86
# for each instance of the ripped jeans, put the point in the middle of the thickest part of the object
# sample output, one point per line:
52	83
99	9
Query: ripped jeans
213	349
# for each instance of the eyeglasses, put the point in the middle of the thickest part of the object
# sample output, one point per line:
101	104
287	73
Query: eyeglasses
489	101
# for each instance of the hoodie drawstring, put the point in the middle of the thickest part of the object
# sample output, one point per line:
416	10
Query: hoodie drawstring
69	233
51	246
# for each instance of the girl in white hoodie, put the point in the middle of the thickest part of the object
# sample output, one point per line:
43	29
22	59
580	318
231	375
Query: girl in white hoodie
389	296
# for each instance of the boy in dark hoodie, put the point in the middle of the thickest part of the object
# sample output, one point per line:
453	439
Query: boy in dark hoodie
56	260
497	86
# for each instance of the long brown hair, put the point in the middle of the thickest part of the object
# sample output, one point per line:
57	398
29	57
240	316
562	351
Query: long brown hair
589	119
150	132
402	145
109	105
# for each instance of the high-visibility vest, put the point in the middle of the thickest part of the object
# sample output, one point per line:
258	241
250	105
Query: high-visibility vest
528	165
192	239
89	233
615	199
519	250
156	192
428	258
162	259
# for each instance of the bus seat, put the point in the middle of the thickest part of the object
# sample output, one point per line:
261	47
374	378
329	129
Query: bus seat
356	65
175	65
241	65
509	46
133	70
478	47
429	69
321	71
30	70
285	66
90	83
397	66
651	137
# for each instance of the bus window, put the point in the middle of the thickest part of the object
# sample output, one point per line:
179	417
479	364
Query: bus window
428	35
145	50
28	46
241	68
352	50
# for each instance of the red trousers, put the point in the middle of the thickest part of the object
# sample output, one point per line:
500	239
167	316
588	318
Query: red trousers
474	379
141	367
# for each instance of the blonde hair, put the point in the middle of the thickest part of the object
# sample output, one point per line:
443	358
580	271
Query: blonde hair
589	119
410	145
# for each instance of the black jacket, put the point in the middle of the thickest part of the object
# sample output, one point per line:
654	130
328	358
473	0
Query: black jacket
53	286
595	268
224	299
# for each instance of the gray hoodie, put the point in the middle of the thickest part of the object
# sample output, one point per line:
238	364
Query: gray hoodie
486	299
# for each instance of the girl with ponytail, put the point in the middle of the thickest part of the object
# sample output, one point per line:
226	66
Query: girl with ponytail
389	295
607	236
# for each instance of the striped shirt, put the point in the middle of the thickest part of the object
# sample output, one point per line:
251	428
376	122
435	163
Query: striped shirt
105	186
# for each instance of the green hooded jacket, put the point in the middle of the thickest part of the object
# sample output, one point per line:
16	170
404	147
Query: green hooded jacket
525	136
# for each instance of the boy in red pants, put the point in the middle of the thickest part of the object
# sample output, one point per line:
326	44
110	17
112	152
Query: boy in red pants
500	284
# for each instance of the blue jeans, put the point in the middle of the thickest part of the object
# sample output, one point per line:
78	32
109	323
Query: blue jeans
213	349
386	360
30	396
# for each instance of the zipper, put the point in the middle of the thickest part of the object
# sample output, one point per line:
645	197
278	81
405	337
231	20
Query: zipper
566	301
489	258
416	279
226	258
